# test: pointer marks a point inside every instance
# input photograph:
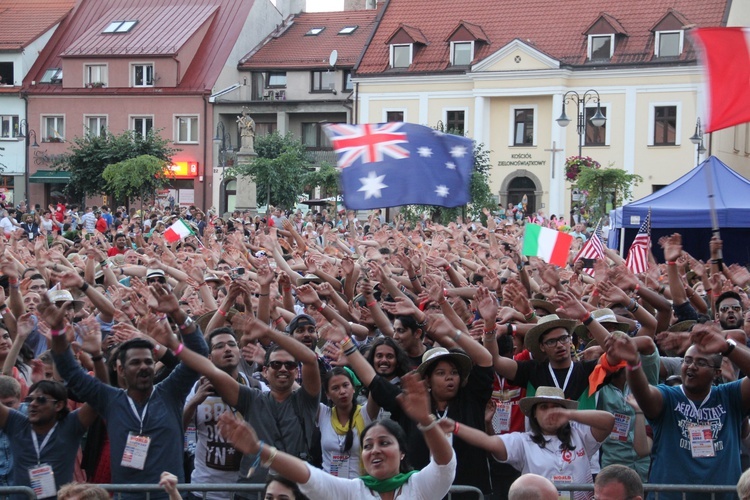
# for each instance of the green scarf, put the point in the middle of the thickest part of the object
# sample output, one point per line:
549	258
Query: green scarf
385	485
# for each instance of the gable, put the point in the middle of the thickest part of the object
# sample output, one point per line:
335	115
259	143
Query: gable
672	21
516	56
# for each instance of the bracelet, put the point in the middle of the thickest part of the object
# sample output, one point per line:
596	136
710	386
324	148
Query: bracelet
3	306
671	263
257	460
595	293
456	426
637	288
587	319
457	336
157	348
371	304
286	289
634	367
278	320
490	333
271	458
425	428
84	287
530	316
446	267
633	306
351	350
98	357
221	312
322	306
511	328
639	413
179	349
202	284
661	289
413	278
13	281
55	333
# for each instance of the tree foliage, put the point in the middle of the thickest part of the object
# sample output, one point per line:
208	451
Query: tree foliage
605	187
279	169
89	156
326	178
135	177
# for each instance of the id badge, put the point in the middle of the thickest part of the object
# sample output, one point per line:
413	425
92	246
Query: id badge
136	451
340	465
621	428
701	441
501	418
562	479
43	481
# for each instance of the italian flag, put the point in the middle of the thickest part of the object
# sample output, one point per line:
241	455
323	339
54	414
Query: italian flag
177	231
549	245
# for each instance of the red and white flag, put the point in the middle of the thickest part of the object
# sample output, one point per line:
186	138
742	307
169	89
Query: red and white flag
637	260
177	231
592	249
726	59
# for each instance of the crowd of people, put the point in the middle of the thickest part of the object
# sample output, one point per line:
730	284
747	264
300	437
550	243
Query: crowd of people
336	356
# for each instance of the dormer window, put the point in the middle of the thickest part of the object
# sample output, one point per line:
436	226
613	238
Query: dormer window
52	75
601	46
401	55
601	35
668	43
462	53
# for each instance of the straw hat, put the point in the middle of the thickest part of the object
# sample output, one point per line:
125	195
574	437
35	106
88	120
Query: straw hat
544	325
437	354
603	316
64	296
544	305
546	395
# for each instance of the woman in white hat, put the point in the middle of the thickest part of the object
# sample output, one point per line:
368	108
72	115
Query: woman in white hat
559	445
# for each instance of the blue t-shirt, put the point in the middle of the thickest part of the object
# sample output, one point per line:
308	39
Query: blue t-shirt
672	460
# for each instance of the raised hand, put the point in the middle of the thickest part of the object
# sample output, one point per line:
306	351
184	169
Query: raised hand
622	347
613	293
25	325
162	300
239	433
91	335
708	337
414	399
672	246
568	305
402	307
254	353
54	316
68	279
307	295
487	306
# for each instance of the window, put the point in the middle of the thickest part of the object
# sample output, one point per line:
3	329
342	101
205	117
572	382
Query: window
668	43
601	46
8	126
187	129
348	30
95	75
313	136
314	31
264	128
348	80
6	73
143	75
323	81
54	129
455	122
96	126
52	75
394	116
276	79
142	125
119	26
595	136
462	53
401	56
523	127
665	125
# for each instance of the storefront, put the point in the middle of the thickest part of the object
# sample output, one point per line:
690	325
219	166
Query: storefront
181	187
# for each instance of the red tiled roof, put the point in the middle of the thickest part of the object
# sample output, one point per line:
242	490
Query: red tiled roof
148	36
291	48
614	23
554	28
476	31
23	22
200	76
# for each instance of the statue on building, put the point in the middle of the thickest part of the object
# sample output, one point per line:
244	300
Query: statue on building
247	131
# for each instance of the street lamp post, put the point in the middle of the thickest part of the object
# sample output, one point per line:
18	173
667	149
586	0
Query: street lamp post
26	134
697	139
224	140
597	120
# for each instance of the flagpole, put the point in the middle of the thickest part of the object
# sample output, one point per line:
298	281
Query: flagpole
712	202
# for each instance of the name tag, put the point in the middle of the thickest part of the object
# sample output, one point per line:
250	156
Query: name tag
136	451
621	428
43	481
340	465
562	479
501	418
701	441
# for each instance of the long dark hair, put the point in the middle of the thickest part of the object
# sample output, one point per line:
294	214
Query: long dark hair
402	360
286	482
397	432
537	436
337	370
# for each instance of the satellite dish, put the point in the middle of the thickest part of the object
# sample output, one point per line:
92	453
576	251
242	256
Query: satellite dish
333	57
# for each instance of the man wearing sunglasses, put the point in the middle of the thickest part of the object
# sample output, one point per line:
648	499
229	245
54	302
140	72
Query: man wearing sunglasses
44	441
729	311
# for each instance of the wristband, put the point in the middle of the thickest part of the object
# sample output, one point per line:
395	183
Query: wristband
98	357
595	293
634	367
671	263
371	304
530	316
586	320
267	464
457	336
637	288
202	284
661	289
456	426
286	288
446	267
3	306
489	333
351	350
221	312
84	287
157	348
179	349
256	463
413	278
56	333
425	428
322	306
278	320
13	281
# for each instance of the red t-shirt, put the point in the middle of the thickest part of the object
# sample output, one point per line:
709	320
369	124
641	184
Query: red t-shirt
101	225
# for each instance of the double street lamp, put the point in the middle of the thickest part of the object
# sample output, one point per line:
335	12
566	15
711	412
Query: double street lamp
697	139
597	120
26	134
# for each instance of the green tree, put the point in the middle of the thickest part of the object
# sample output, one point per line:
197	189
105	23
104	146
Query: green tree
279	169
89	156
605	187
137	177
326	178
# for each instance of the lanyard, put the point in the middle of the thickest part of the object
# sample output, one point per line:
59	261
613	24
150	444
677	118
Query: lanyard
693	404
567	377
439	416
135	411
36	442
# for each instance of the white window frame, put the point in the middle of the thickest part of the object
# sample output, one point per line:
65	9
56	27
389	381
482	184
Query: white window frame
453	51
657	41
652	125
611	44
456	108
58	134
132	74
512	125
133	118
393	50
391	110
176	122
607	107
13	129
86	73
87	131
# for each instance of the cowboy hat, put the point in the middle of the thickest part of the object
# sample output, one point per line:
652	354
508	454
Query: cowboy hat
205	319
544	305
64	296
544	325
603	316
546	395
436	354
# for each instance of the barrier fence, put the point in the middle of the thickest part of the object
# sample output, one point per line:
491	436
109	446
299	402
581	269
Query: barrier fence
707	491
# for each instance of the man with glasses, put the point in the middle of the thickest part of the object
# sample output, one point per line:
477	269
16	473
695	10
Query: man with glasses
304	330
729	311
697	425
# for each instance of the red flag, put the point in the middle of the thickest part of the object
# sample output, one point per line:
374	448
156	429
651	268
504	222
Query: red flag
726	59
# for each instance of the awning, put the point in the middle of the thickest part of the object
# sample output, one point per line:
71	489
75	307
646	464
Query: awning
50	177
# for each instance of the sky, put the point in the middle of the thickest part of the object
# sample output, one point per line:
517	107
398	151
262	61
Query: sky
324	5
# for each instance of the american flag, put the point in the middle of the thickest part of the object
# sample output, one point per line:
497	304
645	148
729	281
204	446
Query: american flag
592	249
369	142
638	255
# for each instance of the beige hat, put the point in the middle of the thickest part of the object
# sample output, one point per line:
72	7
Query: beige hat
544	325
436	354
64	296
604	316
544	305
546	394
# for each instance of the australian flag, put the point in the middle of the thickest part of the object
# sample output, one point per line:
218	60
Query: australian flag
392	164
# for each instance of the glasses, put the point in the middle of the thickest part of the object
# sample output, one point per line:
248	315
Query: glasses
559	340
42	400
737	308
700	363
222	345
289	365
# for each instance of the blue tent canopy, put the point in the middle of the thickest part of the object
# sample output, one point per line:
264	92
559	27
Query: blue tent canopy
684	203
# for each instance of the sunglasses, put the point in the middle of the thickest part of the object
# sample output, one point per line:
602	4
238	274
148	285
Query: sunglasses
289	365
42	400
733	308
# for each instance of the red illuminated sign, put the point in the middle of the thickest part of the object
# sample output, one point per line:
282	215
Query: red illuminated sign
183	170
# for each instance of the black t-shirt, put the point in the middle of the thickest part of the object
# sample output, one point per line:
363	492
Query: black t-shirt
538	374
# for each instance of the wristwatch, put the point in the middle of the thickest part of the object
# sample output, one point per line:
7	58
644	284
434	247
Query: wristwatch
189	321
731	344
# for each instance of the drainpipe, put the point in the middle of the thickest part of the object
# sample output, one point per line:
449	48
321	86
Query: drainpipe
205	150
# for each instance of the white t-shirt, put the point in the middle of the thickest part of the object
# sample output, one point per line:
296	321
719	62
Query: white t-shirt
336	461
557	466
7	224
